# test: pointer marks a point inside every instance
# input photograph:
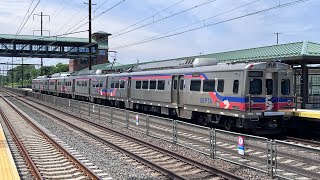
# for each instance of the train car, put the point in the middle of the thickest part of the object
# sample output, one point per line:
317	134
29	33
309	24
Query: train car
252	97
53	84
247	96
68	87
118	91
98	88
44	84
36	84
64	87
81	87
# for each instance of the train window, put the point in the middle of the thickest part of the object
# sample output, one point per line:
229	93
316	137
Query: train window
269	86
235	86
46	83
220	86
93	83
195	85
181	84
122	84
101	84
161	85
255	87
145	84
116	85
153	84
138	84
112	85
285	86
175	84
255	73
208	85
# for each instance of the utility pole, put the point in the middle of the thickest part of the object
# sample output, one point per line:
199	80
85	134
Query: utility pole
90	38
12	73
41	31
277	37
7	72
22	71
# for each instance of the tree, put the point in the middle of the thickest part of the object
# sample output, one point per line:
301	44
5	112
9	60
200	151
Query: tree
30	72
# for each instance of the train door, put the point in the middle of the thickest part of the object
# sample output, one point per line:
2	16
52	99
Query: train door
129	88
174	90
272	93
175	93
73	85
89	87
55	84
181	90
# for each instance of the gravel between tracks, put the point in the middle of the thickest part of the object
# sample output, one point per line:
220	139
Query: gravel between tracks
122	170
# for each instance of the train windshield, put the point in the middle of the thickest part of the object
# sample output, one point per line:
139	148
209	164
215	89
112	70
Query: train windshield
285	86
255	87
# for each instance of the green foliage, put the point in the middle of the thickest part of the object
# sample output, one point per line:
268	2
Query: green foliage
18	76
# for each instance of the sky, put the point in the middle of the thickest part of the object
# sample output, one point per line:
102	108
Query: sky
298	22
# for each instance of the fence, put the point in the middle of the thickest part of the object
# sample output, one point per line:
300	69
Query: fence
259	153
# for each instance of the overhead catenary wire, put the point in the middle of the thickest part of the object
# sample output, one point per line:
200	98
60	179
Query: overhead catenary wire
75	14
83	19
22	24
213	24
164	18
205	25
19	30
152	16
158	20
56	13
100	14
201	21
209	18
24	21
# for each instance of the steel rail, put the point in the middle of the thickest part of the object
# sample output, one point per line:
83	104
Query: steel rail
196	163
310	142
73	159
33	168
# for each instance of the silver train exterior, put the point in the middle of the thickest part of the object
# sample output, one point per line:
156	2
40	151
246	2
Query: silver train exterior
256	96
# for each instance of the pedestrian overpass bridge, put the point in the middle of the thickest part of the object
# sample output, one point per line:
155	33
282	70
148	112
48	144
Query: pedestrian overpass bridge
55	47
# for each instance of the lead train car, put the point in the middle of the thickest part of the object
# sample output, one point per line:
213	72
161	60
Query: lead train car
245	96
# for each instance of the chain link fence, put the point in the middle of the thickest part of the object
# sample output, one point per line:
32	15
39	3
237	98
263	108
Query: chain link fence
262	154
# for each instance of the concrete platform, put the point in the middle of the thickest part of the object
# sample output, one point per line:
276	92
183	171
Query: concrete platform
8	169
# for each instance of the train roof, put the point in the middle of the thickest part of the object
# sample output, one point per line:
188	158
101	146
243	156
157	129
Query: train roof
217	68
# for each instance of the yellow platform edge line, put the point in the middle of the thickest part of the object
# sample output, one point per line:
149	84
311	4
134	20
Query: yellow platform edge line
8	169
307	114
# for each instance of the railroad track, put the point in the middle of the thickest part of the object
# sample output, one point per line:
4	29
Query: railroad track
307	142
45	158
168	163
